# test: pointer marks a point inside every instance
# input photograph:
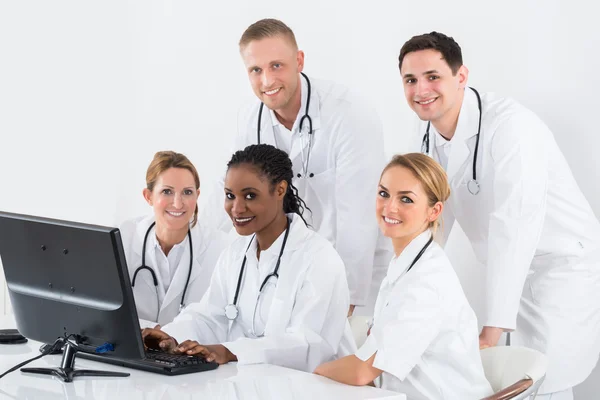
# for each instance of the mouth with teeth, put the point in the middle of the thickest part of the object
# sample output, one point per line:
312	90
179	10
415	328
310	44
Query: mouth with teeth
242	221
272	92
426	102
391	221
175	214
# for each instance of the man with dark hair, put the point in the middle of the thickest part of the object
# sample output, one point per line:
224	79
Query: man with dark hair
335	142
514	196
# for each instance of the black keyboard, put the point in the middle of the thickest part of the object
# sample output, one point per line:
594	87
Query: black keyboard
173	359
157	361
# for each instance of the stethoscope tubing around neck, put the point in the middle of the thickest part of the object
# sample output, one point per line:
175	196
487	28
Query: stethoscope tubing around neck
154	278
473	185
420	254
305	117
232	315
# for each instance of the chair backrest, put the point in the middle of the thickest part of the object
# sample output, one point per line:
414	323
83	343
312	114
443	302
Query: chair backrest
360	326
511	367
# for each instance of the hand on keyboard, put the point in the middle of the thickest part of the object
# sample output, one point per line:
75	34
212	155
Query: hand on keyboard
156	339
216	352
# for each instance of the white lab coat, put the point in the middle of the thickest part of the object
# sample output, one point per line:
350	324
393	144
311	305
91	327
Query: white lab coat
424	330
208	245
346	159
532	228
303	316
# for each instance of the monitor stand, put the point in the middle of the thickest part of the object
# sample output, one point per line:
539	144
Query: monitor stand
66	372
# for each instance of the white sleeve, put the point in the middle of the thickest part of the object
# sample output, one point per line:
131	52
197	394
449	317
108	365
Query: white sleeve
317	324
359	161
205	321
516	222
403	334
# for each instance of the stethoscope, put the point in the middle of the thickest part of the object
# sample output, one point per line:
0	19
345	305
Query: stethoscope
232	310
472	185
310	130
154	279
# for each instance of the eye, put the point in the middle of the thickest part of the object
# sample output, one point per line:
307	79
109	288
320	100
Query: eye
433	77
250	196
167	191
276	65
383	193
406	199
229	196
410	81
256	70
188	192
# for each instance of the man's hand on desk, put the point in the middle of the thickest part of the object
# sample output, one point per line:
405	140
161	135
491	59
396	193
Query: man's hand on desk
154	338
489	336
216	352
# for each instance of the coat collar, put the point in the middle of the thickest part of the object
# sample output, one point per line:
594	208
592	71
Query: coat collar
200	239
399	264
314	111
466	128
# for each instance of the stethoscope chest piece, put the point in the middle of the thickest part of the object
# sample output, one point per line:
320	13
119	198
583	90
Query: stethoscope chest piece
231	311
473	187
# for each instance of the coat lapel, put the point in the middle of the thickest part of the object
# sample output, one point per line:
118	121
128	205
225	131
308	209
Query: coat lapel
465	129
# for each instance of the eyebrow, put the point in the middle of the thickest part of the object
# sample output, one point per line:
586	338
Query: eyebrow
431	71
400	191
244	189
171	187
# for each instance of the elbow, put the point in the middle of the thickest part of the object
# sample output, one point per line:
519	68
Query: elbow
362	377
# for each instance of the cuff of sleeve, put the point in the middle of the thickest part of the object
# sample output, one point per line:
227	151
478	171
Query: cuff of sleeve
500	321
242	350
368	348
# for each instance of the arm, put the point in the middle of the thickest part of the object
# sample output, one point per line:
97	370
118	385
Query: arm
350	370
516	222
316	324
359	162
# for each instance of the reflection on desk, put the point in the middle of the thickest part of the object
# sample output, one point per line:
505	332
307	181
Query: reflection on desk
229	382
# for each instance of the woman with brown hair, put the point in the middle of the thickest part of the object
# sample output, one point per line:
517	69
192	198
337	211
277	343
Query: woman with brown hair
170	255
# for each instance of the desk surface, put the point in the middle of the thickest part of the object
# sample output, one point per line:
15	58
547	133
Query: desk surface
229	381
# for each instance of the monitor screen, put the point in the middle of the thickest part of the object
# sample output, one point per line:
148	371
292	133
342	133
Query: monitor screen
69	278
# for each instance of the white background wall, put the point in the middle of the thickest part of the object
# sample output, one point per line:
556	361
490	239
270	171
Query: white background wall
90	90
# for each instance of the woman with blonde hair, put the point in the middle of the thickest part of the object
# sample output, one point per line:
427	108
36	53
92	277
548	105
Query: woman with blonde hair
170	255
424	338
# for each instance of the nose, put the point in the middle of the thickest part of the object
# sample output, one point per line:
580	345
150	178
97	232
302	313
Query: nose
238	207
266	79
423	88
390	206
177	201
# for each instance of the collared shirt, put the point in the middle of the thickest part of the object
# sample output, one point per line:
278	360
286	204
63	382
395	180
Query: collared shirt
424	331
166	265
442	148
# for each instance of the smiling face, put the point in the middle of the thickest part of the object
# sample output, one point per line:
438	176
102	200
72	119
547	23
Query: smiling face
173	198
431	89
273	65
402	207
252	203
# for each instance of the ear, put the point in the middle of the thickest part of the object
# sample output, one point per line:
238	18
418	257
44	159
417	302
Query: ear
436	211
281	189
300	60
463	76
197	193
147	196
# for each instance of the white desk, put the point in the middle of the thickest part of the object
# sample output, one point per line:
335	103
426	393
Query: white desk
226	382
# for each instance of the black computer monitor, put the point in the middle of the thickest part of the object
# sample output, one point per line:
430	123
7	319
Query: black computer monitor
69	279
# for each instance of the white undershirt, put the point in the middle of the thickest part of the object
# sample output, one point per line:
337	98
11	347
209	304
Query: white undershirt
166	265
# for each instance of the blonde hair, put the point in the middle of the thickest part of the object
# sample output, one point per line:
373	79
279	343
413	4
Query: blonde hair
267	28
430	174
162	161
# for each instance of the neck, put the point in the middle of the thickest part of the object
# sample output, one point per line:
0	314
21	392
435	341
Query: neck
400	243
271	232
167	238
289	113
446	125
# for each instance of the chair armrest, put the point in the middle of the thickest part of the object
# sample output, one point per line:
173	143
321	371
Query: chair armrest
512	390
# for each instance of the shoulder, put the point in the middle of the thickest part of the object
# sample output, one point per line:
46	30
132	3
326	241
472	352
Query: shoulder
129	227
514	121
337	98
211	236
